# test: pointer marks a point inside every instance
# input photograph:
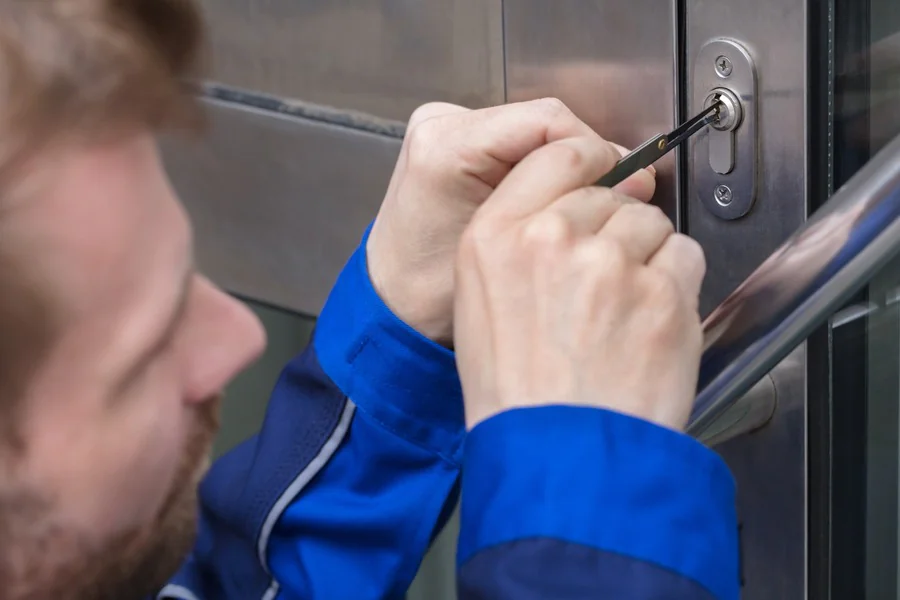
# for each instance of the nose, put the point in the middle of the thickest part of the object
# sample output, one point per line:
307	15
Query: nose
226	338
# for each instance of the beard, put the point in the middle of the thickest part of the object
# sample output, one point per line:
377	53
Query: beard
40	559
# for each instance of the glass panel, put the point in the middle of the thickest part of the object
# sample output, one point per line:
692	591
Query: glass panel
246	398
864	337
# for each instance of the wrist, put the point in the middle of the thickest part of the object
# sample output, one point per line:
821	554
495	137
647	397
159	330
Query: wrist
420	297
394	374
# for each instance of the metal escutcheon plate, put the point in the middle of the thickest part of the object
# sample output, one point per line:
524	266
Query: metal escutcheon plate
740	182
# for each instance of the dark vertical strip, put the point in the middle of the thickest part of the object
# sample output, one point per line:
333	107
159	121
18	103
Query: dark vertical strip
681	95
849	347
820	122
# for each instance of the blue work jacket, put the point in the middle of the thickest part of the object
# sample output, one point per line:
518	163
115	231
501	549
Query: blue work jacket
358	466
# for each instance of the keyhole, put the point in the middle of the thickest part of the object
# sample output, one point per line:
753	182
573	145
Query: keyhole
722	131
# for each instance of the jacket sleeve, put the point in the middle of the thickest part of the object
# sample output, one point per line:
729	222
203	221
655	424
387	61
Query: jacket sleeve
353	474
578	503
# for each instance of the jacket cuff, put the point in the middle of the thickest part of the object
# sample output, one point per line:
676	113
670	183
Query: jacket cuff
604	480
405	381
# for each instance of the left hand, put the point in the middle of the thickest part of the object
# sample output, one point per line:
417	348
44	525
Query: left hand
451	160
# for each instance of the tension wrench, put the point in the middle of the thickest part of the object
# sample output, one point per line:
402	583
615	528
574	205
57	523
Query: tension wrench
656	147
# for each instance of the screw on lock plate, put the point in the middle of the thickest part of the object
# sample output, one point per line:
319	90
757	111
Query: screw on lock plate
723	195
724	66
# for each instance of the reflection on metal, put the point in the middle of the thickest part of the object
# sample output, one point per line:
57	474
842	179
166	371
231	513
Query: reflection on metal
751	411
611	64
853	313
383	57
755	409
276	210
843	245
725	155
874	307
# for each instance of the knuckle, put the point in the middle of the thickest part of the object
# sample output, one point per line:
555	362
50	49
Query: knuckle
552	106
547	230
608	257
647	218
566	156
655	216
430	110
420	114
423	147
423	133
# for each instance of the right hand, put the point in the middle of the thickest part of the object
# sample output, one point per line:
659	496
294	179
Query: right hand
572	294
451	161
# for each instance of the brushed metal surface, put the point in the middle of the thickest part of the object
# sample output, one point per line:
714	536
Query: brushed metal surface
613	63
770	464
769	468
279	203
384	57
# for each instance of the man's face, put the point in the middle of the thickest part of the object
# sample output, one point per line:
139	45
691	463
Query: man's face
117	418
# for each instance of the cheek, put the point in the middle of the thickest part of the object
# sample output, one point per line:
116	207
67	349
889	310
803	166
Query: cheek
150	445
114	464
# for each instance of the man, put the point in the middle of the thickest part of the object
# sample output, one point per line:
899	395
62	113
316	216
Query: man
572	309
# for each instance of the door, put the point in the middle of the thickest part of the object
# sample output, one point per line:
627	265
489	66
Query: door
854	375
307	100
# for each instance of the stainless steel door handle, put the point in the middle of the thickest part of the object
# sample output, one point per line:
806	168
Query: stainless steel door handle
825	262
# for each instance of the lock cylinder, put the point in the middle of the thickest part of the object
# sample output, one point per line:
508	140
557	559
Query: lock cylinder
721	139
729	114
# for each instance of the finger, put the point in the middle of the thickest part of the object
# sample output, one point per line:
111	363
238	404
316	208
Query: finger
682	258
640	229
549	173
493	140
588	209
641	185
